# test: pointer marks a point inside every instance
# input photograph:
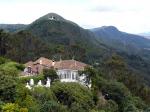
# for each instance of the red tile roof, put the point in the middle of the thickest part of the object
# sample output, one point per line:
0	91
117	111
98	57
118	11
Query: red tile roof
70	64
42	63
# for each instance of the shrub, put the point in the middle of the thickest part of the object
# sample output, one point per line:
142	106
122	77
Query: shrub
7	87
70	93
24	80
10	107
53	106
50	73
43	94
23	110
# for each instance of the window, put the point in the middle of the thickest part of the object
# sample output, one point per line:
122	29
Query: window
65	76
29	69
73	76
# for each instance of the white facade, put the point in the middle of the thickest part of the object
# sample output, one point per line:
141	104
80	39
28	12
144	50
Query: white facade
67	75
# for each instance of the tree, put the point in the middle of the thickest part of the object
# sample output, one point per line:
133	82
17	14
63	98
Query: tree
13	107
71	94
115	91
90	74
147	110
76	107
31	104
130	108
50	73
8	87
3	43
115	67
23	110
10	107
53	106
3	60
43	94
109	106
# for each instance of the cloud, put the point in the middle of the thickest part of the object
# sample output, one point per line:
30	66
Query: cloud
128	15
103	9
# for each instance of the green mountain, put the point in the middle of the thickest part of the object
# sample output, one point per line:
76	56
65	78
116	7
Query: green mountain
57	31
53	36
120	73
60	31
122	41
134	48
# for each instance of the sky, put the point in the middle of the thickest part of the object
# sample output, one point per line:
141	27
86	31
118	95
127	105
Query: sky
130	16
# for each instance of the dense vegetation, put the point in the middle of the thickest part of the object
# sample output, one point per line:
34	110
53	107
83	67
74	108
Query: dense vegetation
63	38
134	48
114	89
120	79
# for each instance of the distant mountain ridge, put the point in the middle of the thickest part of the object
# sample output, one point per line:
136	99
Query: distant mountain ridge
144	34
111	36
12	27
65	38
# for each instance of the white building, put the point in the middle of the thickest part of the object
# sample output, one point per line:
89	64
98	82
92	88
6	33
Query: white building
67	70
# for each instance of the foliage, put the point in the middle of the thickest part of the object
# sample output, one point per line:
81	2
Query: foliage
23	110
69	93
3	42
12	68
90	74
10	107
114	89
3	60
24	80
53	106
131	108
116	69
21	93
111	106
50	73
8	87
43	94
31	104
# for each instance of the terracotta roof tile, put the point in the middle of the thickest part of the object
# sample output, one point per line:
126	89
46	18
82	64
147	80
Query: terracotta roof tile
70	64
42	63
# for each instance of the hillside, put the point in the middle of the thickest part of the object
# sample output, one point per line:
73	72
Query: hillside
108	93
134	48
12	27
119	71
57	37
61	32
120	40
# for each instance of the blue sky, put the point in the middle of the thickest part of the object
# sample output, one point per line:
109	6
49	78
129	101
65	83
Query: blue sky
128	15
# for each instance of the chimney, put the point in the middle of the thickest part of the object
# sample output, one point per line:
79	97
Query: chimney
53	63
40	62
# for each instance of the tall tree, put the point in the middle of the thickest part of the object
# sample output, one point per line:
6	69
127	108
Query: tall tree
3	42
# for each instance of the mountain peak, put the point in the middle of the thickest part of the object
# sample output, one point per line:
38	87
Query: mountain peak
110	28
52	16
106	28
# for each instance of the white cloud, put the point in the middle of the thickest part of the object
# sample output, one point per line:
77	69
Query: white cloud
128	15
